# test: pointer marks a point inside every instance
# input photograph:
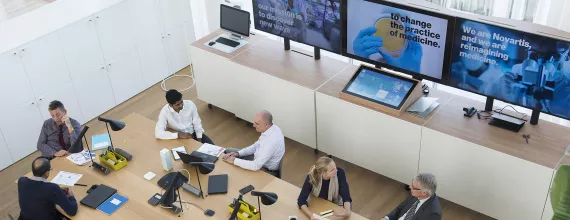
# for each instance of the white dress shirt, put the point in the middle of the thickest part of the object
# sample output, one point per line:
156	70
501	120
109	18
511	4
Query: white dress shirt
422	201
268	151
187	120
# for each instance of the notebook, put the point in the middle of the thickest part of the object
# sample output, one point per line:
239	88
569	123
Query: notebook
218	184
100	141
112	204
97	196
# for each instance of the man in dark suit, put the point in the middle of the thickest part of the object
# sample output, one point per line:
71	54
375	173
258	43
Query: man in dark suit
38	197
422	204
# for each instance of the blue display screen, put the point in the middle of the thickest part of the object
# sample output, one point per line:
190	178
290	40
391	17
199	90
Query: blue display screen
380	87
520	68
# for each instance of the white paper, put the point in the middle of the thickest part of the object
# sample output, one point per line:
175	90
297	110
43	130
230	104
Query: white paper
66	178
80	158
178	149
211	149
116	201
319	217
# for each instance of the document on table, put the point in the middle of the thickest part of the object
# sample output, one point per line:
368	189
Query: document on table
319	217
178	149
81	158
212	150
66	178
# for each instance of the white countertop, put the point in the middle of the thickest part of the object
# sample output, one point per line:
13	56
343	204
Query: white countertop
47	19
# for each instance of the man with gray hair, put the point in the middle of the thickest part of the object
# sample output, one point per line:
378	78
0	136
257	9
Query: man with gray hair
423	204
266	153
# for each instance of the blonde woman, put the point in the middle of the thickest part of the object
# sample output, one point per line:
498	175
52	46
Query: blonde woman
327	181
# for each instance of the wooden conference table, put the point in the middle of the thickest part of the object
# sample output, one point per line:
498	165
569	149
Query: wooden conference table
138	139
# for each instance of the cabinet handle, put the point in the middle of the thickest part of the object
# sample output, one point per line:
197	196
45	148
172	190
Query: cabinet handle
33	103
41	99
103	67
23	50
15	53
90	20
97	17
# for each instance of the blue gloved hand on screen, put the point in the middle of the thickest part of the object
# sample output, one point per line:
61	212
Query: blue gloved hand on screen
411	59
365	44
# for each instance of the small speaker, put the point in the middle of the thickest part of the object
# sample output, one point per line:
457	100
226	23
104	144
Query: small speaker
166	159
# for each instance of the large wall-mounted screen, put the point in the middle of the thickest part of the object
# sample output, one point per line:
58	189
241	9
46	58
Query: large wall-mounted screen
521	68
313	22
402	38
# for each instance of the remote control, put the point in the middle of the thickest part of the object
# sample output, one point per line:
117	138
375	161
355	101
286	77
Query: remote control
192	190
246	189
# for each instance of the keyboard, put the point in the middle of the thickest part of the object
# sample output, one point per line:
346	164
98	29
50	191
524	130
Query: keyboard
228	42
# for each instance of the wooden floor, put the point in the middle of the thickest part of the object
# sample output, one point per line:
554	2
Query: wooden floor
373	195
13	8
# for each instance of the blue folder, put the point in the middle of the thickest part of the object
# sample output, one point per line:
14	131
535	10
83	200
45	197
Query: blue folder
112	204
100	138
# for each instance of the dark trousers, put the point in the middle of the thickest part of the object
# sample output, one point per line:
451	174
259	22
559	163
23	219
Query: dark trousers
205	139
250	158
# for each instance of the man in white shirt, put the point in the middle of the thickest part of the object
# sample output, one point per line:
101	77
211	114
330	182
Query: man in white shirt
181	116
266	153
422	205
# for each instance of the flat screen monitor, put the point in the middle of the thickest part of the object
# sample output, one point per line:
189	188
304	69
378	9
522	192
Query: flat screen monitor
234	20
524	69
313	22
398	37
379	87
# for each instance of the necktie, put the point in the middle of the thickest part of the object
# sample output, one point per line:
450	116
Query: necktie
412	211
61	141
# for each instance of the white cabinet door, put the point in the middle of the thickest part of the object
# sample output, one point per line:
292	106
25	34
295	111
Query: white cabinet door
153	60
13	78
190	36
177	49
145	19
64	93
5	156
44	62
125	75
175	12
115	32
94	93
21	126
81	47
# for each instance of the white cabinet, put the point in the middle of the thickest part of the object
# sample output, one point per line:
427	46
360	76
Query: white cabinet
5	156
175	12
125	76
94	93
64	93
177	49
153	60
190	36
150	40
13	78
114	30
146	20
44	63
21	125
81	47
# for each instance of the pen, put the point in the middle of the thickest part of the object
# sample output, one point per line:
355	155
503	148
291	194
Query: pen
77	184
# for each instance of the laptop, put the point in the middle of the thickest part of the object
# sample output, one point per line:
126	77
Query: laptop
218	184
196	156
97	196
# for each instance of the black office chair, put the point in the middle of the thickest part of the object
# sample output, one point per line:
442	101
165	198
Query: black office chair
280	170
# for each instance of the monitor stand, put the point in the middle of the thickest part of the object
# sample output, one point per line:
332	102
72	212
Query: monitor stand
236	37
316	50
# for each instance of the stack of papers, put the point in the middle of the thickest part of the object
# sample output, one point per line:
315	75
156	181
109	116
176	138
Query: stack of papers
66	178
81	158
178	149
101	141
212	150
319	217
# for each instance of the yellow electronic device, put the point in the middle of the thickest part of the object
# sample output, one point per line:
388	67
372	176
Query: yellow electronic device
246	211
113	160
